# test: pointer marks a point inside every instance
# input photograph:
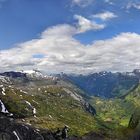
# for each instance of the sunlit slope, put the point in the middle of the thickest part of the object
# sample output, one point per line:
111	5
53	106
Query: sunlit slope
49	106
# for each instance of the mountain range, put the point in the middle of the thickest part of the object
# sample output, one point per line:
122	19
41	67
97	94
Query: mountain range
102	105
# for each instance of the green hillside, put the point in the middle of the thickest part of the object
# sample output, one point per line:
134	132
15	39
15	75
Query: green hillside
54	104
116	112
49	107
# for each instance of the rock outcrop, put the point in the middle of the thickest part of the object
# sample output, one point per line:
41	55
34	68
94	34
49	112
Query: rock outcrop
11	130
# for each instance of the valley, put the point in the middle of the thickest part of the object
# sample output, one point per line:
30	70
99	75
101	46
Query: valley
53	101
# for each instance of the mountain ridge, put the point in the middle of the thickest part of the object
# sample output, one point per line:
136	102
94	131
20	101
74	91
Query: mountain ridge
55	101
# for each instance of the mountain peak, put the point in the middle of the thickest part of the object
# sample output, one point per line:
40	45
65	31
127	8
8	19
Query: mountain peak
30	71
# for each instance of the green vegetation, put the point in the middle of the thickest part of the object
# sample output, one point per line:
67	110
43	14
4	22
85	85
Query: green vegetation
56	108
116	112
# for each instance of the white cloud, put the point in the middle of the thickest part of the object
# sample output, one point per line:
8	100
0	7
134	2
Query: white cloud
84	24
133	5
105	15
82	3
62	52
109	2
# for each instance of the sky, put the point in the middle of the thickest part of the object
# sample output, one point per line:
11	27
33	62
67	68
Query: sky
70	36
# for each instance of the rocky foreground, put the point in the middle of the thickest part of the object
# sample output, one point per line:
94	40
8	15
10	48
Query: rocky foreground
11	130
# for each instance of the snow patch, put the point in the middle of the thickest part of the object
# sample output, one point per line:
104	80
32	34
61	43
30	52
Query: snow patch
33	109
5	79
33	73
28	103
37	130
50	116
34	112
1	85
3	90
15	133
35	102
4	110
23	91
28	123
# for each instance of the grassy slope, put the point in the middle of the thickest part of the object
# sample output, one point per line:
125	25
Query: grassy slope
55	108
116	113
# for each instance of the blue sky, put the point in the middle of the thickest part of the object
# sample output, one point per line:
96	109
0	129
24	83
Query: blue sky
84	24
22	20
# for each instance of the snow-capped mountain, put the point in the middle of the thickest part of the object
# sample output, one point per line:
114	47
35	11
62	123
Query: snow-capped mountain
33	73
26	74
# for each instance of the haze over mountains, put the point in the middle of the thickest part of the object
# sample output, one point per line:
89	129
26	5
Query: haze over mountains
105	84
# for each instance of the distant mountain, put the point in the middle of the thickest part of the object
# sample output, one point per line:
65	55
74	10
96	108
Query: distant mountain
23	74
13	74
136	72
53	101
102	84
105	84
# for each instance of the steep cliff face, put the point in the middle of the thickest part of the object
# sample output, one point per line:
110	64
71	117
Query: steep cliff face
135	119
134	124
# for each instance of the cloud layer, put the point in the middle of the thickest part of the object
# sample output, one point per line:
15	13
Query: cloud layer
82	3
58	51
133	5
105	15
